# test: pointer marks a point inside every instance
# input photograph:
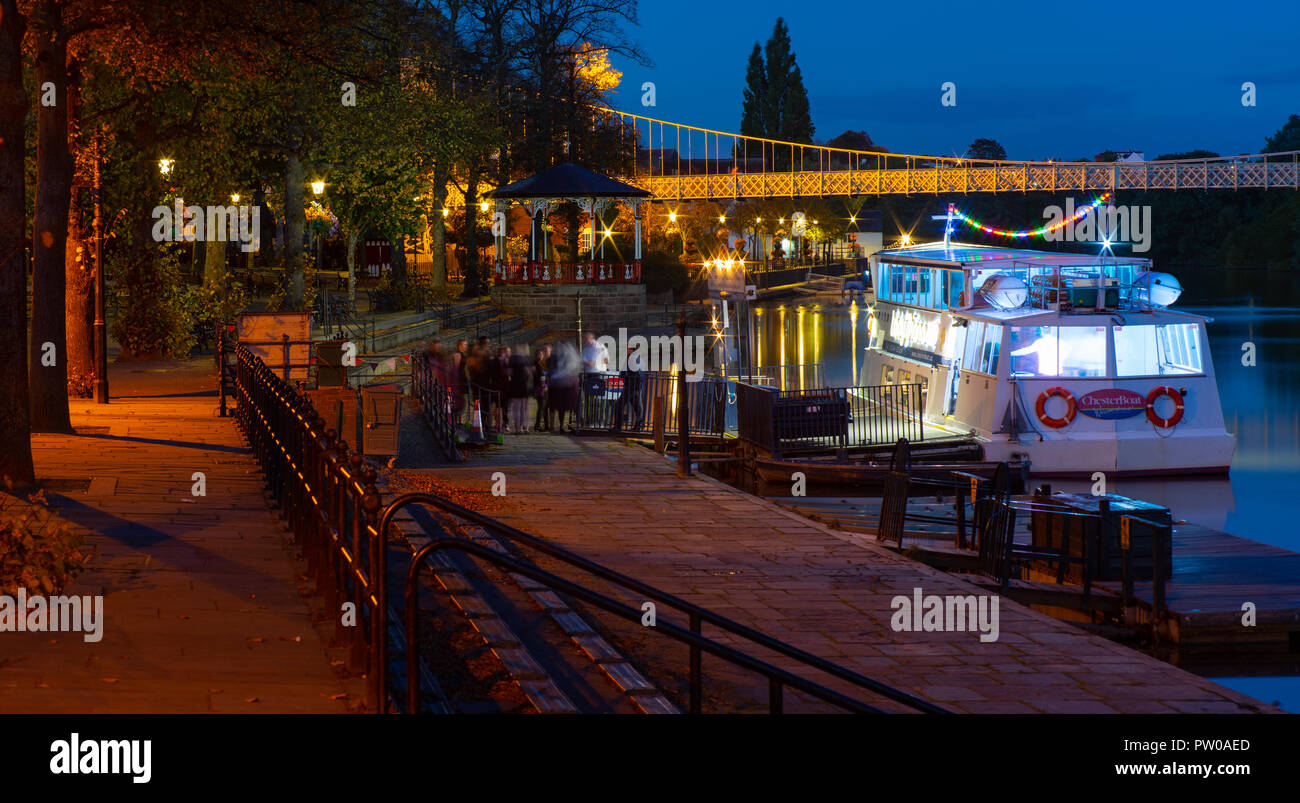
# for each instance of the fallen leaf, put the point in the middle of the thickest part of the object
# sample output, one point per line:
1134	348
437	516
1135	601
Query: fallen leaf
251	700
182	616
256	640
286	638
214	691
340	696
108	680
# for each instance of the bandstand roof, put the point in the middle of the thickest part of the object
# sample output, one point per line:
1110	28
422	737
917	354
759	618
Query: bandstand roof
567	181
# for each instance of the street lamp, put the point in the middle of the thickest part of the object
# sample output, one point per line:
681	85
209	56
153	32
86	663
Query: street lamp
234	197
165	166
318	188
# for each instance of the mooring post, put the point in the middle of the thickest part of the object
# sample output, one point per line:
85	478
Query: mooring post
683	408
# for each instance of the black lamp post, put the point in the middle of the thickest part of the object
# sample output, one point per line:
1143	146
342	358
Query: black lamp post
101	341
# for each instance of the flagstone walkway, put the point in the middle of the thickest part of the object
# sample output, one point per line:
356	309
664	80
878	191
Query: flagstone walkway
825	591
201	593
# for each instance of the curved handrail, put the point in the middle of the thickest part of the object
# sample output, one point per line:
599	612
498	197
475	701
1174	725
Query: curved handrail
778	678
696	612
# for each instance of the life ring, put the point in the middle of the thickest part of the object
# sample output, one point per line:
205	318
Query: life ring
1071	411
1156	393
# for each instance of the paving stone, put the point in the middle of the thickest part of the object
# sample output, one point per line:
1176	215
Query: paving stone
547	698
627	678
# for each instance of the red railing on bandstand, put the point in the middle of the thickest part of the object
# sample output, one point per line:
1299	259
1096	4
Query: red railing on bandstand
543	273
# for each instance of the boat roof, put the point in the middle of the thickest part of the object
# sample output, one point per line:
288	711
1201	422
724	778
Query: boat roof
1029	316
978	256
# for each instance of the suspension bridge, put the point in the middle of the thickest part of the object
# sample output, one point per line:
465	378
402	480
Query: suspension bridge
678	162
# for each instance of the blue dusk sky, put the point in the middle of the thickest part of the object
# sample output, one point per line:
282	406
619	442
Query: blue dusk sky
1047	80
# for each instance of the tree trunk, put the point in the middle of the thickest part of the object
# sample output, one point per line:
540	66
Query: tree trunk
295	219
15	424
79	267
399	279
353	235
474	283
438	229
214	258
48	349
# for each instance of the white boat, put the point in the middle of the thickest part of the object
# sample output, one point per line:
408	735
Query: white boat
1071	361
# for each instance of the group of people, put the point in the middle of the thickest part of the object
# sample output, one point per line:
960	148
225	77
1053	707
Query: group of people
505	385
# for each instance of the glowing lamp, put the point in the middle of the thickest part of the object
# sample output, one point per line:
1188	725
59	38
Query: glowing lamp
317	187
165	166
234	197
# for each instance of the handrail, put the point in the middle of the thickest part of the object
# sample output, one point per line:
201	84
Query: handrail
328	496
696	613
778	678
436	405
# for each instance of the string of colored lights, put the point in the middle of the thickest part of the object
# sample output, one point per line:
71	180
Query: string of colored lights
957	214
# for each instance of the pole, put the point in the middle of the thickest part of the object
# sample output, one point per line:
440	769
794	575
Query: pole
683	410
101	342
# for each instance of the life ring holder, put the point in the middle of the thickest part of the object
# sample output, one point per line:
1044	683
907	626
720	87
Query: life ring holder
1040	407
1179	407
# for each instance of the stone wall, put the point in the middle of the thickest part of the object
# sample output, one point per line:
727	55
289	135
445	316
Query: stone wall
605	307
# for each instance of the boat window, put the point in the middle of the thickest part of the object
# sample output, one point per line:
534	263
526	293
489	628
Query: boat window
974	342
992	345
955	287
1158	350
887	375
1069	351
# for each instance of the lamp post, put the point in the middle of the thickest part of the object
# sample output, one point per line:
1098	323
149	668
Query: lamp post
322	288
101	342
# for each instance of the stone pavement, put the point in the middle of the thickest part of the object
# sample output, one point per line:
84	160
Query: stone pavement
201	598
825	591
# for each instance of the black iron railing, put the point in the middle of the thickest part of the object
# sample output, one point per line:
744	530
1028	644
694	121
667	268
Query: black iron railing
623	402
695	615
438	405
328	496
783	421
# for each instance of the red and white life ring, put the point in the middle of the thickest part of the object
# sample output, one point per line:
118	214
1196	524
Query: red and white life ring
1070	412
1172	393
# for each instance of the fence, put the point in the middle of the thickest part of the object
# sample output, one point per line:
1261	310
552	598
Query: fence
437	404
782	421
623	402
328	496
789	375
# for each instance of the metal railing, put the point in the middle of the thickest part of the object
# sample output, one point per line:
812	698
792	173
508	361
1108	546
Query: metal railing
691	635
437	404
782	421
328	496
789	375
623	402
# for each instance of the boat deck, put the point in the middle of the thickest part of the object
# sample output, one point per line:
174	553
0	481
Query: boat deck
1215	574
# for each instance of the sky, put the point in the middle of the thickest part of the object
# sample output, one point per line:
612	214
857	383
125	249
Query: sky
1046	80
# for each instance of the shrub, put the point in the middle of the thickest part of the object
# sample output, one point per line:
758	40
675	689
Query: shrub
38	551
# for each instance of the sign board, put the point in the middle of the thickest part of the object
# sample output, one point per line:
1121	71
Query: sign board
751	292
1112	403
263	333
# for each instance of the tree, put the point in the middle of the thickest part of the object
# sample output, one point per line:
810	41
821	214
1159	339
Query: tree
986	149
775	100
15	441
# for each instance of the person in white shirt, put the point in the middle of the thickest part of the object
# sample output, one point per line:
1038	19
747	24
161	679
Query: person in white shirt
595	357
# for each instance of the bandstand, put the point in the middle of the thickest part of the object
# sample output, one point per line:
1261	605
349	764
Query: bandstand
539	195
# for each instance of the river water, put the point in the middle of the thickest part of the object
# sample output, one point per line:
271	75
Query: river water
1254	312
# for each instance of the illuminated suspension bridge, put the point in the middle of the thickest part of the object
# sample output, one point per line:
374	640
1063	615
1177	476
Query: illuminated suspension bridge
679	162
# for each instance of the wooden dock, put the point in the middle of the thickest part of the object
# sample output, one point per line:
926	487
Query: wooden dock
1215	576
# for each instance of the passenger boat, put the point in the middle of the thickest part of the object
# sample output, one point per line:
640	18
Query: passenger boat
1073	362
